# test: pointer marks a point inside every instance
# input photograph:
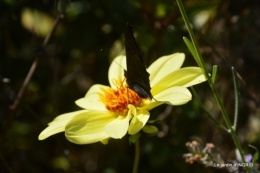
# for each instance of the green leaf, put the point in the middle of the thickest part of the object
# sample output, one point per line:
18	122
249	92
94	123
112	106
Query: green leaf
150	129
134	138
193	51
214	73
256	156
154	121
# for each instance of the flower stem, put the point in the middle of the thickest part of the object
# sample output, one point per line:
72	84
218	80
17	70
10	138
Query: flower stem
236	97
211	84
137	156
208	113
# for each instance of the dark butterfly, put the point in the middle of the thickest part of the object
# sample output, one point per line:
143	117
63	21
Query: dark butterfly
136	75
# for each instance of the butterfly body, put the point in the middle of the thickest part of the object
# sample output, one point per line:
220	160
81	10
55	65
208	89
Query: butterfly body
136	74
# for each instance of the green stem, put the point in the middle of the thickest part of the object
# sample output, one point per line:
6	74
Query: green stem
221	106
208	113
236	97
192	36
137	156
214	73
232	130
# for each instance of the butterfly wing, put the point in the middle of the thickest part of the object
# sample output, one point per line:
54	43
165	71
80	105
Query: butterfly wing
136	75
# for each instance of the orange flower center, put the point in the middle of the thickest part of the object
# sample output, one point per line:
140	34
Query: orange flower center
117	100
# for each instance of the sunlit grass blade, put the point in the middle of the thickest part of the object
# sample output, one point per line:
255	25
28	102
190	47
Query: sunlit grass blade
214	73
236	97
193	51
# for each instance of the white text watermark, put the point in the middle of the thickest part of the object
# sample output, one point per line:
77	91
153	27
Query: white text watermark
221	165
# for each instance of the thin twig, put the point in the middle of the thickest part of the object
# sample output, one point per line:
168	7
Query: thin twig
34	65
6	165
25	84
13	108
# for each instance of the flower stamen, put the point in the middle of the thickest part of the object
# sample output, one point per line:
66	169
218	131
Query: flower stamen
116	100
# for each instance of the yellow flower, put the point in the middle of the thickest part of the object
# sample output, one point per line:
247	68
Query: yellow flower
111	112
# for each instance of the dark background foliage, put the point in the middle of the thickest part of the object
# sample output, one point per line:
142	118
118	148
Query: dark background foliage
78	56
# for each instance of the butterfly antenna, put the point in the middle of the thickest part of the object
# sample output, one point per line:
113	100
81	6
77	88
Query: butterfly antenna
124	70
155	99
119	65
122	83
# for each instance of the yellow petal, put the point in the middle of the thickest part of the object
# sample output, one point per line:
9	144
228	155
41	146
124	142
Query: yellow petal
199	78
116	70
183	77
118	127
138	121
151	104
94	89
104	141
165	65
131	109
174	96
58	124
91	99
89	127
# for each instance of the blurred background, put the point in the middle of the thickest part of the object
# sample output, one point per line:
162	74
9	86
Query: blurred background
78	55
